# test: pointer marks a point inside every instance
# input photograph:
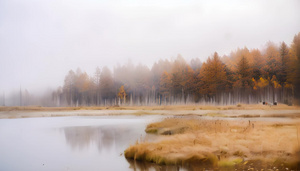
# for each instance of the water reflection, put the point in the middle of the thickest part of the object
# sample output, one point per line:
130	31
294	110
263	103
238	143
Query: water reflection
104	137
114	139
146	166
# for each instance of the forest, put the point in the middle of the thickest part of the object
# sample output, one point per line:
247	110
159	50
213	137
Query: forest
245	76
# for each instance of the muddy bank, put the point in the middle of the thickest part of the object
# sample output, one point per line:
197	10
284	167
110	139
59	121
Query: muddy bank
217	144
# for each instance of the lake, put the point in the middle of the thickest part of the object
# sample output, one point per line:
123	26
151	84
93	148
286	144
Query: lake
69	143
84	142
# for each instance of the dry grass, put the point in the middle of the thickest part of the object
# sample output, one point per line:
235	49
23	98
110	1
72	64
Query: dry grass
173	107
172	126
244	111
220	143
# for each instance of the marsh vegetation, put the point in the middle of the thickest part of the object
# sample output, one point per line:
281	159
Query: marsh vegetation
221	143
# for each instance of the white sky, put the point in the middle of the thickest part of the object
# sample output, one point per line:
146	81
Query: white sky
41	40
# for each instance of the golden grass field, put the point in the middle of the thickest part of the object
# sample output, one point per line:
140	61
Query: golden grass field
239	144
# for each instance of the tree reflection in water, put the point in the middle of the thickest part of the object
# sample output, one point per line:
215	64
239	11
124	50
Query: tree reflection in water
104	137
145	166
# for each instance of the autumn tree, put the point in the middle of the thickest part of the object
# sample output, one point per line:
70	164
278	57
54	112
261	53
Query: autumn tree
272	66
261	83
57	96
258	63
234	58
96	85
294	67
122	94
178	76
157	70
106	84
124	75
284	52
196	65
213	76
244	74
142	88
83	86
165	86
181	74
69	87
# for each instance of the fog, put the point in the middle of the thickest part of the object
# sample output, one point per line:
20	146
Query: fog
40	41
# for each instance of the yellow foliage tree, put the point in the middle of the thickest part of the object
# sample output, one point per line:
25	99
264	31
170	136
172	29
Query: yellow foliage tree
122	94
255	86
275	82
261	83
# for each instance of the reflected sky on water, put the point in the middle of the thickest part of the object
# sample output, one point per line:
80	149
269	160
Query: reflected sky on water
69	143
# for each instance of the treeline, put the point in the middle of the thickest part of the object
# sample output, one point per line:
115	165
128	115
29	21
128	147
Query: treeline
245	76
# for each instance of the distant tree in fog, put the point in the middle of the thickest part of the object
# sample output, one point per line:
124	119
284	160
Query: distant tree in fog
69	87
107	84
181	74
244	76
122	94
157	70
142	87
196	64
165	86
272	66
258	63
96	86
83	85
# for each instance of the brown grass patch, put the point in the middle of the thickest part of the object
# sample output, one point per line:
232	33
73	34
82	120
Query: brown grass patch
220	143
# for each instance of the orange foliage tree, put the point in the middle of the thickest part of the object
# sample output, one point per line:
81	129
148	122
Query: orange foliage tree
244	74
294	67
212	76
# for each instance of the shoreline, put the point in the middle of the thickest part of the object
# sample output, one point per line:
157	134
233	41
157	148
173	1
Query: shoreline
241	111
155	107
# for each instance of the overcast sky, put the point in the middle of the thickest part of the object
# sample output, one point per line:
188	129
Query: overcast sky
41	40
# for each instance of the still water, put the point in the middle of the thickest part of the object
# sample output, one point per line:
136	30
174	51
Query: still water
69	143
